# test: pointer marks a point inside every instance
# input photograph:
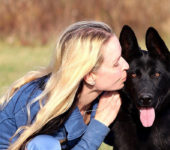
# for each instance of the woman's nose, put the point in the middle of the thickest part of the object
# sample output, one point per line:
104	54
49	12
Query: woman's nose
125	64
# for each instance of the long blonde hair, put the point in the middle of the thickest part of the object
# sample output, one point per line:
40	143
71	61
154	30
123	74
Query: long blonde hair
77	53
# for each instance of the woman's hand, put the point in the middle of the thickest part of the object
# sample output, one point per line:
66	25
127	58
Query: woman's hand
108	107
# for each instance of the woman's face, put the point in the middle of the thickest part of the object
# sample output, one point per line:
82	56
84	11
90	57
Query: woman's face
111	75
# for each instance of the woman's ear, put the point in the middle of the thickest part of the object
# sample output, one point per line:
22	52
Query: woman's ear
90	78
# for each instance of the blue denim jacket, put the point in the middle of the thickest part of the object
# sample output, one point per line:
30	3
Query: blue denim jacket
79	135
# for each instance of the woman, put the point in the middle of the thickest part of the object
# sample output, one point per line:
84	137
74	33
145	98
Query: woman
64	105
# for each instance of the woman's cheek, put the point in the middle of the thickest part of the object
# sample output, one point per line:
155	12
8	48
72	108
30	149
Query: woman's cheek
117	74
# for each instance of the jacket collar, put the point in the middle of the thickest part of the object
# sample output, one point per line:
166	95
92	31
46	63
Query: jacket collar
75	125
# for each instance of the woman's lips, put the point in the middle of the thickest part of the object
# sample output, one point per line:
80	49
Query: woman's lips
124	79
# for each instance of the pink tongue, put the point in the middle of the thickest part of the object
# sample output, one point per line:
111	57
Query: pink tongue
147	116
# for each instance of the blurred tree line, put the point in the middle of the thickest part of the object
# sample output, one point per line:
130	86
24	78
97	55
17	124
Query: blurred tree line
42	20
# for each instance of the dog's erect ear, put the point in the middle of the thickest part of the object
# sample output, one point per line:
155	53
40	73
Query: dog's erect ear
156	45
129	44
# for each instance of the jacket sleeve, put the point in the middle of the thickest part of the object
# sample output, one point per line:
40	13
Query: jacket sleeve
14	114
91	140
93	137
7	129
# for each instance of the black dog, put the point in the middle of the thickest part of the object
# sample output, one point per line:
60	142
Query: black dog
143	122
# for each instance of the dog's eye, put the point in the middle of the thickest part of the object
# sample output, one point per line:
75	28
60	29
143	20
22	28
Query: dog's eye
133	75
157	74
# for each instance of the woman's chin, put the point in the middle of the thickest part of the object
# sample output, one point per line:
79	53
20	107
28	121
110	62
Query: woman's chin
117	88
121	86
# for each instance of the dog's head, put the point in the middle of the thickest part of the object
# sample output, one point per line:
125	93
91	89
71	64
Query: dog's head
148	78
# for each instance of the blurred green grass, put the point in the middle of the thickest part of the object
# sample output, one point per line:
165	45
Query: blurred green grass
16	60
105	147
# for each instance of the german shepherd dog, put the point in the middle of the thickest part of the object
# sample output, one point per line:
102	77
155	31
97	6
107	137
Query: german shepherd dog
143	122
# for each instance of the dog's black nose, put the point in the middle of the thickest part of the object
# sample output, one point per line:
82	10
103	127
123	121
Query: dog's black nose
145	99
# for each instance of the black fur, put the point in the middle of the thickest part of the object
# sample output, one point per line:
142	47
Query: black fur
147	85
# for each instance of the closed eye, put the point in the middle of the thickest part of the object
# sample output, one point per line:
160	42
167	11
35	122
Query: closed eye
116	64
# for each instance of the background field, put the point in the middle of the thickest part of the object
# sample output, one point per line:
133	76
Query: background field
32	21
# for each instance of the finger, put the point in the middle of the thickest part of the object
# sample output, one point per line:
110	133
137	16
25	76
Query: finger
118	105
